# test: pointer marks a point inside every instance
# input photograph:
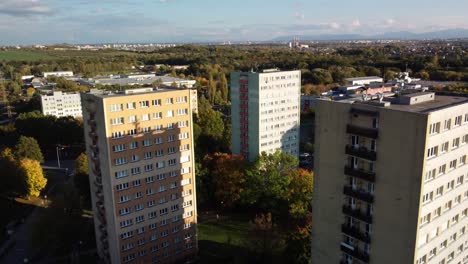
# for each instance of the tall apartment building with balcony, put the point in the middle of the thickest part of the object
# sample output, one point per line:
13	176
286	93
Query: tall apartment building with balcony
391	180
265	112
140	151
61	104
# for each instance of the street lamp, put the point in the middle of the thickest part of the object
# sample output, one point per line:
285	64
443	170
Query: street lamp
58	156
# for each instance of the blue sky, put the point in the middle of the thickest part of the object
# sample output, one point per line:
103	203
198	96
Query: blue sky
99	21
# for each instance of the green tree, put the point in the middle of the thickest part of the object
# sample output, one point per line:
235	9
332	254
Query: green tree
224	88
33	176
27	147
267	182
81	179
11	182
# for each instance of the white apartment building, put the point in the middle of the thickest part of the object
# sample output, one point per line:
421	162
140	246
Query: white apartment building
390	180
61	104
363	80
265	112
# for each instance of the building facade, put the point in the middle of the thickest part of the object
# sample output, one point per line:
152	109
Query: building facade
61	104
265	111
58	74
140	151
390	180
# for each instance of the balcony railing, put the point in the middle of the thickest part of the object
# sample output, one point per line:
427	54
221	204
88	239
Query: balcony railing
356	233
364	112
359	194
356	253
362	131
357	213
361	174
361	152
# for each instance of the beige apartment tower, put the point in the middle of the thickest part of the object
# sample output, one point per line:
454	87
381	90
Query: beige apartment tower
140	151
391	180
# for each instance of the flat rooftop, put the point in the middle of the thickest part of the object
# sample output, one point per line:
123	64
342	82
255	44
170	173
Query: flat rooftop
363	78
136	91
438	103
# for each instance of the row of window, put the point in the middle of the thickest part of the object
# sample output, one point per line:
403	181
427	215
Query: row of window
434	128
164	211
152	191
137	170
443	209
437	250
155	248
445	147
453	164
155	236
147	117
150	167
146	103
439	191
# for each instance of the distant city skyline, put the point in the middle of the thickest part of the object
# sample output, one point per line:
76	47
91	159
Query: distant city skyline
110	21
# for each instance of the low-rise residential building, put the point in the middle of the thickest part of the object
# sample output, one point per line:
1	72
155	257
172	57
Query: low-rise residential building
58	73
363	80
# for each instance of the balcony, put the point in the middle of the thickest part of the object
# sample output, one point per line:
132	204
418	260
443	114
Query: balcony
95	148
361	174
362	131
356	233
92	122
357	213
358	194
361	152
98	185
355	253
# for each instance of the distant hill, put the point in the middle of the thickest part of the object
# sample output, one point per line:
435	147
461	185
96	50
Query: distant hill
441	34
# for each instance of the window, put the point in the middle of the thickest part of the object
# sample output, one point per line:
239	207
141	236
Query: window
434	128
170	113
150	191
139	207
432	152
126	235
459	180
131	105
149	179
156	102
133	145
172	173
163	211
184	147
170	126
148	155
145	130
458	121
148	167
126	223
185	159
120	161
116	107
135	170
151	203
444	147
152	215
161	176
426	219
450	185
187	225
146	143
132	119
169	100
185	170
182	124
456	142
144	104
187	214
462	160
117	121
183	111
447	124
136	183
128	246
125	211
135	158
158	140
159	153
442	169
172	162
173	185
122	186
118	134
152	226
157	115
170	138
162	188
132	132
464	139
160	164
187	204
121	174
171	150
174	207
430	175
124	198
140	219
440	191
453	164
183	135
118	148
427	197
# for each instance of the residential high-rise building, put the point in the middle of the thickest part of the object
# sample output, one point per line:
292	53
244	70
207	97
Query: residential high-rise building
61	104
390	180
140	151
265	112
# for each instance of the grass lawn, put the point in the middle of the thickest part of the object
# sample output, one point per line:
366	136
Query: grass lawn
23	55
228	231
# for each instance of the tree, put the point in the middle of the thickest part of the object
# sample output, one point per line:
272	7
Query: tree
33	176
81	179
27	147
263	238
228	175
267	182
224	88
11	182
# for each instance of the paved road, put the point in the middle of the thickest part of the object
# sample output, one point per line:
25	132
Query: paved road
21	248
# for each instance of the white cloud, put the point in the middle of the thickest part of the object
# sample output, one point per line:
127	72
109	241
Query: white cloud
355	23
23	7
